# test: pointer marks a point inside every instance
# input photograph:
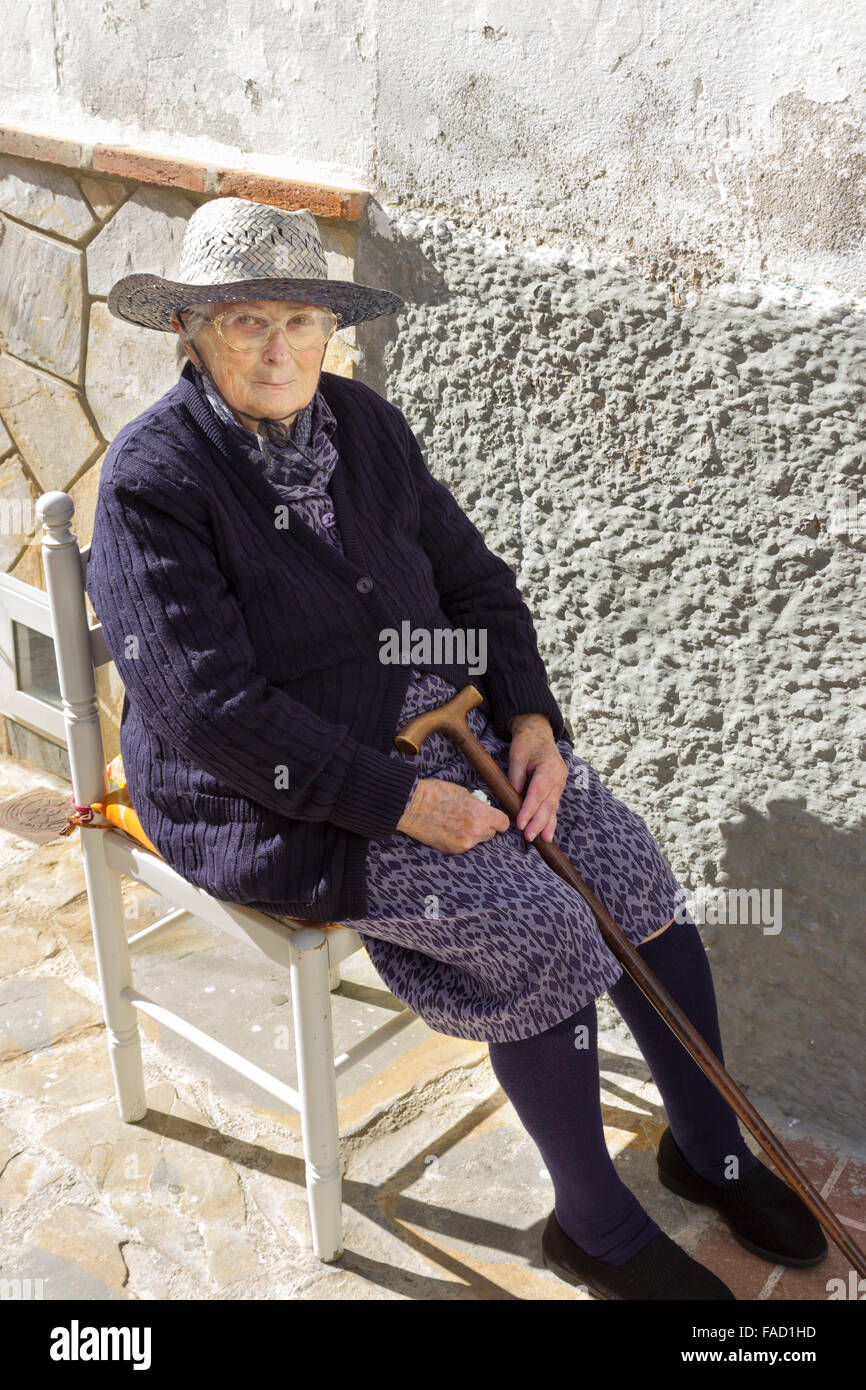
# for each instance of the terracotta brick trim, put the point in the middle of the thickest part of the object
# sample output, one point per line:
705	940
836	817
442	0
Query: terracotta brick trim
146	166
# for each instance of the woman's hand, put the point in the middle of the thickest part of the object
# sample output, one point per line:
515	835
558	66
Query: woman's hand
533	749
449	817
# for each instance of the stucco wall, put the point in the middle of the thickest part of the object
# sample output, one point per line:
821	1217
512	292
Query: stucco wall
631	242
676	479
734	131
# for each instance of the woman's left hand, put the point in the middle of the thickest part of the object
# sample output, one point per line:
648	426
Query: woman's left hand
533	750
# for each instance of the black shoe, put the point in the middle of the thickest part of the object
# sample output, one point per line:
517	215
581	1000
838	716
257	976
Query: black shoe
660	1270
763	1213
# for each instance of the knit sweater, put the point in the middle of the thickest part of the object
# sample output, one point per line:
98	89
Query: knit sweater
259	708
301	470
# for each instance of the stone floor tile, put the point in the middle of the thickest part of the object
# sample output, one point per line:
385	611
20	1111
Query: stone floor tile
86	1239
36	1014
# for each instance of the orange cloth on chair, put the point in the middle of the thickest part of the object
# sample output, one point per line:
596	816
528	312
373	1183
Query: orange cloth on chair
119	811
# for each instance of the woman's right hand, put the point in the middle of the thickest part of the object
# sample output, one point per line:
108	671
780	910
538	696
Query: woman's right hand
448	817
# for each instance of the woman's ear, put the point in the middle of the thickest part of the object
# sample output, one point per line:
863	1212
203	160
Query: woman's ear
184	341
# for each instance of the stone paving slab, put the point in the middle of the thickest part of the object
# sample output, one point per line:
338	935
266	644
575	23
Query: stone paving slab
444	1194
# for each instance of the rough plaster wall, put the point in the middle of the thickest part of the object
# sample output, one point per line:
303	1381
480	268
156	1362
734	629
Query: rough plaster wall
676	477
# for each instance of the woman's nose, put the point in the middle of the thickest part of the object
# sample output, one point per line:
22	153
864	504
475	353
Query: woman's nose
278	350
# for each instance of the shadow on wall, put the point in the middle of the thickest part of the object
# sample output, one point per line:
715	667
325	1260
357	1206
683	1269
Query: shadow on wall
393	263
790	985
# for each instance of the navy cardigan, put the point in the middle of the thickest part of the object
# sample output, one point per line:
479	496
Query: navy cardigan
258	716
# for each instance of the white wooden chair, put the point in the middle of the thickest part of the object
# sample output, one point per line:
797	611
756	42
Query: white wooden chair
311	953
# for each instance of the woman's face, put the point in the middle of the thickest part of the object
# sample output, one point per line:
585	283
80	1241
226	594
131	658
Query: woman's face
276	380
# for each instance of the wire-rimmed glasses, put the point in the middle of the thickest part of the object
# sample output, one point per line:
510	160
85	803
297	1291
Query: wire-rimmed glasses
245	331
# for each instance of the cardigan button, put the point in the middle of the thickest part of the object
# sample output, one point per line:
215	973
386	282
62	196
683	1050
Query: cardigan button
364	584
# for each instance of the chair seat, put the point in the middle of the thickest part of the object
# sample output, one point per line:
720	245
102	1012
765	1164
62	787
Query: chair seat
117	809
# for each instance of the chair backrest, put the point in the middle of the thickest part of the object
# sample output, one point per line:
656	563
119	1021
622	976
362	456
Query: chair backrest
79	649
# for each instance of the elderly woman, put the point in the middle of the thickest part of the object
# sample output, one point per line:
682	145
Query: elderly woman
259	531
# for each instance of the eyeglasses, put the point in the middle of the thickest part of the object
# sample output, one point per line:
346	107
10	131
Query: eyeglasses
243	331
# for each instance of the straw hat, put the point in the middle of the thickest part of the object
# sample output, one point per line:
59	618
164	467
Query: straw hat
234	249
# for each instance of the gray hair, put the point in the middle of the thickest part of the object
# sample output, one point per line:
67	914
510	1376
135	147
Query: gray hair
195	318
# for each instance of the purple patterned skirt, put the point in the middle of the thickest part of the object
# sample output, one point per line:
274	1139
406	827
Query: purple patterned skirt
491	944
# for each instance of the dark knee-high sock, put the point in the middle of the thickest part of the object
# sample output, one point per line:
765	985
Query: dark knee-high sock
553	1082
702	1122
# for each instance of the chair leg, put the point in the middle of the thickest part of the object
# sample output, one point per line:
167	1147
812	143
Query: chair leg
334	980
114	967
317	1084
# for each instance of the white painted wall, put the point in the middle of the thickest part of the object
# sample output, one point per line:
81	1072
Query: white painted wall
735	129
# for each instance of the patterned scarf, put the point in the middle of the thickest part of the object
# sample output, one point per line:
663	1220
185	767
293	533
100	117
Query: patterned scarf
305	464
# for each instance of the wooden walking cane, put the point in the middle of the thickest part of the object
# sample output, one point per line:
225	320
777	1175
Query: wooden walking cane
450	719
